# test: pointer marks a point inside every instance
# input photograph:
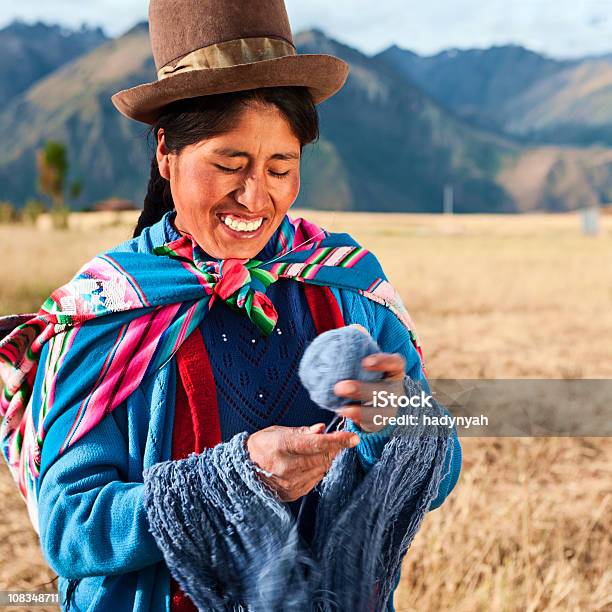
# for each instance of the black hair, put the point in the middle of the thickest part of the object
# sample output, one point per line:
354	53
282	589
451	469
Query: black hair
192	120
72	586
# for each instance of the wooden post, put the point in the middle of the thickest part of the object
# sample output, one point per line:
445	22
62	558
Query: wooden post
449	198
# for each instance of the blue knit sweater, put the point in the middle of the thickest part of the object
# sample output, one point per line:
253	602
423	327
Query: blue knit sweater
256	377
93	521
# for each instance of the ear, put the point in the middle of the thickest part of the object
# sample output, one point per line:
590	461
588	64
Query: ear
162	155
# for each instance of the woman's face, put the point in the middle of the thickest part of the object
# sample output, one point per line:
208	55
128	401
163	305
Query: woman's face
231	192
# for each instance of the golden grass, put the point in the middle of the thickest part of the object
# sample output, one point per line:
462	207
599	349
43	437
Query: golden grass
528	526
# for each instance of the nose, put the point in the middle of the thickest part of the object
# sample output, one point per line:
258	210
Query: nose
253	195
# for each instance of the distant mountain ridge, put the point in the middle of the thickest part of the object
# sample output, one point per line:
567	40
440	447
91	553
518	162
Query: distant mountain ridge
384	145
30	52
401	129
475	83
73	105
397	146
518	92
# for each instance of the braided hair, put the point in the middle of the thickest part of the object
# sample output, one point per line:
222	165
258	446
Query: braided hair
186	122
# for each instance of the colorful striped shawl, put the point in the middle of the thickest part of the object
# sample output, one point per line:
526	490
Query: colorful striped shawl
152	302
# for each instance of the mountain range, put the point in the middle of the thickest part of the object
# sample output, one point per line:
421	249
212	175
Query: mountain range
510	130
518	92
31	52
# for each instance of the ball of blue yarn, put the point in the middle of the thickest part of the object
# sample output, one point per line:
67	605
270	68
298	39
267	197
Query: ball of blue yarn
333	356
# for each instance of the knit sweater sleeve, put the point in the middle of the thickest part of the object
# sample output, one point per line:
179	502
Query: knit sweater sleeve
392	337
91	512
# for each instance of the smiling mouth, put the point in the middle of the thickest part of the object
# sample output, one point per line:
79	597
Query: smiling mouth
242	225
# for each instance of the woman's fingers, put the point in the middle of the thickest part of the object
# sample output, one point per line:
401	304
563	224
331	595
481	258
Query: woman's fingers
314	443
293	489
350	389
294	459
392	364
362	416
353	412
378	402
368	393
300	474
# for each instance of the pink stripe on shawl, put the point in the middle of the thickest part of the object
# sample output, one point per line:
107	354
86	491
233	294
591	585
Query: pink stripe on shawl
305	230
126	369
337	255
185	324
362	253
201	279
18	373
57	353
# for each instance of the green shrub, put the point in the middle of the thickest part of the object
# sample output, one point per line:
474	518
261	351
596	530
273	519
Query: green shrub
8	213
32	210
60	216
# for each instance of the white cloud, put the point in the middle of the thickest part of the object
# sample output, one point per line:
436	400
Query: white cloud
557	27
115	16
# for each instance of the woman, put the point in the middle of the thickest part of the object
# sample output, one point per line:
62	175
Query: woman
153	416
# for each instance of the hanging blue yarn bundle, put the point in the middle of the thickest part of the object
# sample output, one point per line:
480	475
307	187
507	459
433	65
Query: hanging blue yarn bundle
333	356
233	545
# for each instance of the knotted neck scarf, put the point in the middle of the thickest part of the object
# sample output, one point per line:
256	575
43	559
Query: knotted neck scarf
124	316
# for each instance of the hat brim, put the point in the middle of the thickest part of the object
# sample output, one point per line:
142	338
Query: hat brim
323	75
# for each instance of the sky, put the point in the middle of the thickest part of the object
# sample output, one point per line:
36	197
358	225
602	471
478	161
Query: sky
559	28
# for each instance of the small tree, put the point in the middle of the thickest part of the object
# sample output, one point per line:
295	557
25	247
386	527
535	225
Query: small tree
76	188
52	165
52	162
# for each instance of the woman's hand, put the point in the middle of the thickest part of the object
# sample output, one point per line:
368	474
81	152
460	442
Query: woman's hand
393	365
296	457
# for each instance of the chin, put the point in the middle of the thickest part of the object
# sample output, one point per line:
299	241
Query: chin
243	244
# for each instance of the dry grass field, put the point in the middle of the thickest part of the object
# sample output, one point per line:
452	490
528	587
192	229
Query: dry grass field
528	526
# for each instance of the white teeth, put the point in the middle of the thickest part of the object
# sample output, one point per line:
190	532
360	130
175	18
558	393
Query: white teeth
242	226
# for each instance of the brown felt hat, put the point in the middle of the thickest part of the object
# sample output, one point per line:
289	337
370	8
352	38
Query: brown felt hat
206	47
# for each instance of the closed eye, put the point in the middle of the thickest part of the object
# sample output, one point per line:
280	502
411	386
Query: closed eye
234	170
227	169
281	174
